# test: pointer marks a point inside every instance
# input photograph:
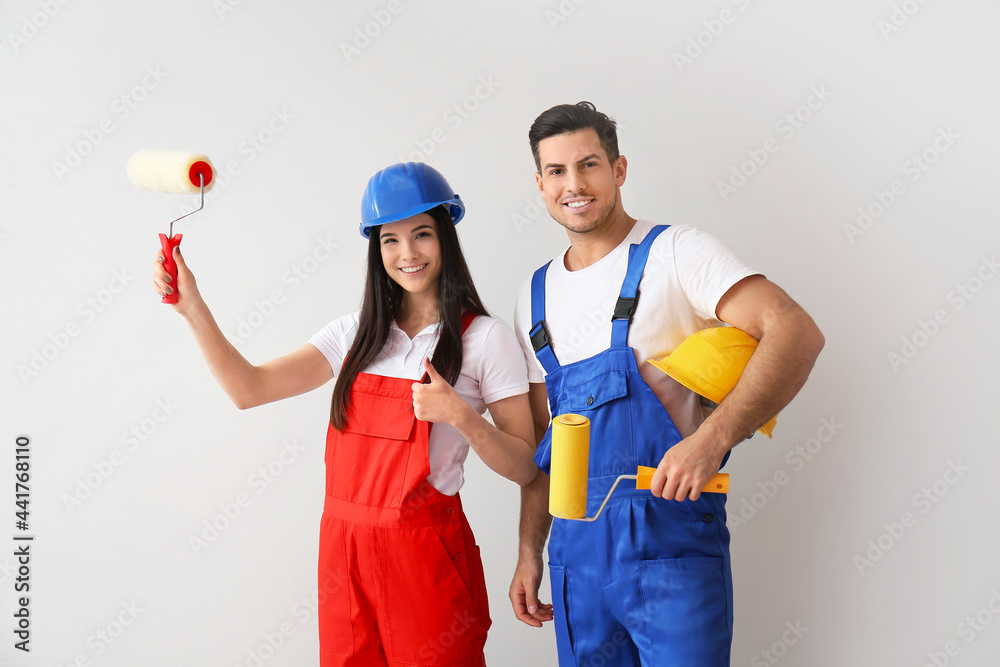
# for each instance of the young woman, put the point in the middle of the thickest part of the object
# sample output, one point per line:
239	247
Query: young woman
399	571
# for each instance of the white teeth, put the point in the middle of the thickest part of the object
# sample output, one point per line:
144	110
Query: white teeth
577	204
411	269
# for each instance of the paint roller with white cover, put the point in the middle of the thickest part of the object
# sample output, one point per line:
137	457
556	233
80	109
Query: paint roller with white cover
174	172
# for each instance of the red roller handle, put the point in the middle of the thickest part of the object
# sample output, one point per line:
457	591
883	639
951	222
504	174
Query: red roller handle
168	245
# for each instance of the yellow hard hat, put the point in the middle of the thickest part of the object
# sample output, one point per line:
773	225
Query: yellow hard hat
710	362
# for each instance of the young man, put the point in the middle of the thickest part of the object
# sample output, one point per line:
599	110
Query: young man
649	582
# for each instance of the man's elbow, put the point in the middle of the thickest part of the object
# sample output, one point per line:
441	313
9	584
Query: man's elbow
796	332
813	340
819	342
528	476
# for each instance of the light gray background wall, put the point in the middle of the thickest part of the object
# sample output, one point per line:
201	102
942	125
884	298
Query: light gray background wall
867	524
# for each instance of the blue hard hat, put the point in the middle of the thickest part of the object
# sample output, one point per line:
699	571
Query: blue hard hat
405	190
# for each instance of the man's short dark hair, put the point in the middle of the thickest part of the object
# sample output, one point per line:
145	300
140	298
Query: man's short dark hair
564	118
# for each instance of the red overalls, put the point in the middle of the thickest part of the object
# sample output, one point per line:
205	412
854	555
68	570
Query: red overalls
400	577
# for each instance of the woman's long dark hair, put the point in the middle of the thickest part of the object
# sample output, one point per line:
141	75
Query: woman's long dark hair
382	298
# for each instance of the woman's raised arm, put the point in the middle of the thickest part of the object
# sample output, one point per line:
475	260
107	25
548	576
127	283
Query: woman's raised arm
247	385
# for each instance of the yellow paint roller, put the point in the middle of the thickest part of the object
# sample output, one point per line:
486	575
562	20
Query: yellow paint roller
172	172
570	469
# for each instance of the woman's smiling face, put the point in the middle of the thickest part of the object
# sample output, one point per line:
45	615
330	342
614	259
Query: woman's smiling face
411	253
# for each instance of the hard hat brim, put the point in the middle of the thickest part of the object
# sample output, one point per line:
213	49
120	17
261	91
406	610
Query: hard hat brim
698	386
768	428
416	210
689	380
697	361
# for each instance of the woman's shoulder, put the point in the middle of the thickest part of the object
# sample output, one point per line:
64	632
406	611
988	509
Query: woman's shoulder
341	328
486	324
494	358
487	333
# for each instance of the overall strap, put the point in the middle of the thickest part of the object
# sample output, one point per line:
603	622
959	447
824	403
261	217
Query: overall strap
467	318
539	334
629	296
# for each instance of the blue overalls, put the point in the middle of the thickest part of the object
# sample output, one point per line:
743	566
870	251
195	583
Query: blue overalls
648	583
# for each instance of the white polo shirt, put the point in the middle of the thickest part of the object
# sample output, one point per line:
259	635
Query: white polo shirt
493	368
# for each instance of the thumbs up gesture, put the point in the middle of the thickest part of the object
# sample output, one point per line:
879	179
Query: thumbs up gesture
437	401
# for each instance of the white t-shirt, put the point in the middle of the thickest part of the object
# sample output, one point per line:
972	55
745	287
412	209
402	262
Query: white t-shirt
687	273
485	378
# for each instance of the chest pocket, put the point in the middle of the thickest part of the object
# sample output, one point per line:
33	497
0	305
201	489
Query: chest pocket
381	417
380	456
592	394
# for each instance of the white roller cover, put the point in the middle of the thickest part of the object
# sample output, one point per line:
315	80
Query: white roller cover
170	171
